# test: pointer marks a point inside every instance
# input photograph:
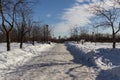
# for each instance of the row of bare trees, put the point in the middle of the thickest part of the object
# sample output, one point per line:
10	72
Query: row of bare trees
9	12
107	16
31	32
82	33
17	23
36	32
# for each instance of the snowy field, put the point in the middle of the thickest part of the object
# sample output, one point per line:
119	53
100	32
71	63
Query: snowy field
101	56
17	57
69	61
55	63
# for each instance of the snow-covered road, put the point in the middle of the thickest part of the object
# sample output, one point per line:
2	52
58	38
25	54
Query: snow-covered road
54	64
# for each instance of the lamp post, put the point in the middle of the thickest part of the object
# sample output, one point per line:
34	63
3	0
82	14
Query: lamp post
46	33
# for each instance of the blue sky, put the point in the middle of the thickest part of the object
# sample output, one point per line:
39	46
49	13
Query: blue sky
49	11
64	14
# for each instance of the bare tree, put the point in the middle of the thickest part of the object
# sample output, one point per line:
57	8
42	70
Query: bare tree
109	18
24	22
36	33
84	32
46	33
74	33
25	28
8	9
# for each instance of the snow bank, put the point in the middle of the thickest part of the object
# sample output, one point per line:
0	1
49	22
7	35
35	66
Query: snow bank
16	57
103	56
99	55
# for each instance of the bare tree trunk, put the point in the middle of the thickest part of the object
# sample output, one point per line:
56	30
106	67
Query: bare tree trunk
8	41
114	44
114	40
18	37
29	36
44	35
21	41
33	41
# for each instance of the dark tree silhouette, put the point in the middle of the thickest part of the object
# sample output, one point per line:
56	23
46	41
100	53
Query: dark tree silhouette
8	9
109	18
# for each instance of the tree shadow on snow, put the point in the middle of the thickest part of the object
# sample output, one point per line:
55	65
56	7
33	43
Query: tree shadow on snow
80	56
87	59
19	71
109	56
110	74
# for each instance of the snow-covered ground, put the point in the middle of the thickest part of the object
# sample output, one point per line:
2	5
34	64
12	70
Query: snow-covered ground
70	61
9	60
101	56
55	63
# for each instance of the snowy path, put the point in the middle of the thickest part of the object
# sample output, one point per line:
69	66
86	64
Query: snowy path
53	64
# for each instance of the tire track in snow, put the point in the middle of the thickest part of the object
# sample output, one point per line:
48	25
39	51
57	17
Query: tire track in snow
71	70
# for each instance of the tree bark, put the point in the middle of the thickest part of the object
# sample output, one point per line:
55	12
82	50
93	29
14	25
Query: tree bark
8	41
21	41
114	40
33	41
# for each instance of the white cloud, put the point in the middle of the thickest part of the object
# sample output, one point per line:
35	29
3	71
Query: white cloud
76	15
112	3
61	29
82	1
